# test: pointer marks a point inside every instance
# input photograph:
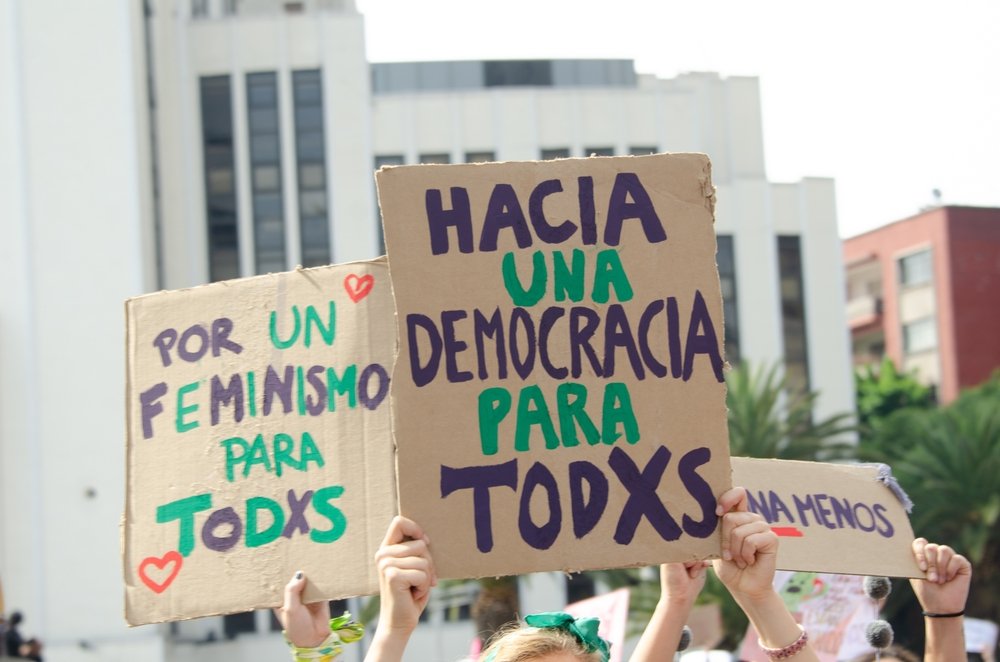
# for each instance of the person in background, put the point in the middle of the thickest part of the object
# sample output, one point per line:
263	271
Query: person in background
16	645
406	574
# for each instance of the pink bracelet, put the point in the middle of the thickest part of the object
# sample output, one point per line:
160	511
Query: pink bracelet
789	650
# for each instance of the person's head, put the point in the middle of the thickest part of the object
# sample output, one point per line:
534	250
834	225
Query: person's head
552	637
16	618
891	654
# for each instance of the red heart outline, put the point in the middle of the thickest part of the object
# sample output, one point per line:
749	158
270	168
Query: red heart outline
161	563
358	287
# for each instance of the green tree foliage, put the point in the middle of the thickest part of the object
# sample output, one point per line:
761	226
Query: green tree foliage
881	390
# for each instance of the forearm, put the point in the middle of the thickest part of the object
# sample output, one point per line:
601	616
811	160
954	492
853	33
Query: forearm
775	626
660	638
387	646
945	639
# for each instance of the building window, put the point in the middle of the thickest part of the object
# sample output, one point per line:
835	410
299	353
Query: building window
555	153
579	586
199	8
726	260
517	73
435	157
220	193
479	157
599	151
236	624
310	152
384	160
915	269
920	335
265	164
641	151
793	313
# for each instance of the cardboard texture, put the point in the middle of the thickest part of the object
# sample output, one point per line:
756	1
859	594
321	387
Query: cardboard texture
558	396
822	511
258	441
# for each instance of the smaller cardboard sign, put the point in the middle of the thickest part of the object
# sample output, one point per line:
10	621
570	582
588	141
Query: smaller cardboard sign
980	635
833	609
612	610
258	441
831	517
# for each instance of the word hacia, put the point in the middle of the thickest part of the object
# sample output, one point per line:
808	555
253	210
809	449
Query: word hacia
825	510
224	529
311	391
628	200
588	497
525	341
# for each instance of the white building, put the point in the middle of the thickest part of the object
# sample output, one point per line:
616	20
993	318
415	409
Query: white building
211	139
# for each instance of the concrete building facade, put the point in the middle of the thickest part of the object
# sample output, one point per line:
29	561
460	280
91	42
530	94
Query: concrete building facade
919	291
172	143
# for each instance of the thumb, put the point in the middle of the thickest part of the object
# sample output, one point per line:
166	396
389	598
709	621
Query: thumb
293	590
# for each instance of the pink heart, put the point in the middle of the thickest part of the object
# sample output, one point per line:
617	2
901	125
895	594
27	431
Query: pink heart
173	559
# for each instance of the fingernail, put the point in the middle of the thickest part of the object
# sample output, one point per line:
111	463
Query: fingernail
298	575
932	576
727	555
718	510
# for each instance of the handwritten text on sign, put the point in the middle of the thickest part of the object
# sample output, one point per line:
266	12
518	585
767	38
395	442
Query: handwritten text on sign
258	430
560	371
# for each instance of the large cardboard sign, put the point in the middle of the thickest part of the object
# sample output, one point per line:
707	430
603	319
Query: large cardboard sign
822	511
258	440
558	396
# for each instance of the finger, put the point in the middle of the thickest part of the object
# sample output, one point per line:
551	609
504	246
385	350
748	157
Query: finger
732	499
730	523
405	563
958	565
918	546
931	554
944	557
293	590
400	529
416	582
745	539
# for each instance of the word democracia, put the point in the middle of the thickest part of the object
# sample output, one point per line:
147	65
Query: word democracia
259	522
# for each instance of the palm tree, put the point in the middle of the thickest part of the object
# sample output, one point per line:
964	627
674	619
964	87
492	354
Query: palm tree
767	419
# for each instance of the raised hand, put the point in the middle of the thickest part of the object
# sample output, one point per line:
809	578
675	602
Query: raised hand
305	625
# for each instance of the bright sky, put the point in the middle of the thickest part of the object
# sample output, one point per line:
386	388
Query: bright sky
891	98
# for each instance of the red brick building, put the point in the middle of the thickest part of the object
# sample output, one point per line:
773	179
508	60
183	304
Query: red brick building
926	292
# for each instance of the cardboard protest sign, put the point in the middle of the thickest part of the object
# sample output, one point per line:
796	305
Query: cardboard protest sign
558	395
833	609
258	440
821	510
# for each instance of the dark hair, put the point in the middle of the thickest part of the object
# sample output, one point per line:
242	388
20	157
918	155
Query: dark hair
16	618
891	651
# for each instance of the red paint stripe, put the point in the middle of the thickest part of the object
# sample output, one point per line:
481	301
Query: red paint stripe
787	531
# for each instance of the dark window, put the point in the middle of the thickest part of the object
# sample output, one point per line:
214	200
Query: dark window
480	157
310	146
505	73
726	259
435	157
220	192
579	586
793	313
641	151
265	161
599	151
384	160
555	153
234	624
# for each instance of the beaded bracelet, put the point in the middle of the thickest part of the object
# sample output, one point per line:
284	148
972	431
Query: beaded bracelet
342	631
789	650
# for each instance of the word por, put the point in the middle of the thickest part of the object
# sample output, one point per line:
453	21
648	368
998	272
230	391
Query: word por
312	391
240	452
588	497
525	342
628	200
829	511
196	340
224	528
571	399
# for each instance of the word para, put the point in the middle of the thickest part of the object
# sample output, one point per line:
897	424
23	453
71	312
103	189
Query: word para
571	399
588	497
239	451
829	511
224	528
627	200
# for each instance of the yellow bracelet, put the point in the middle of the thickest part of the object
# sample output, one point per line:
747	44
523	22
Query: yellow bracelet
342	631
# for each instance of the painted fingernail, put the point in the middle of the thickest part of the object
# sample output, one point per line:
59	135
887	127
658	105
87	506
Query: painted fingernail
298	575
